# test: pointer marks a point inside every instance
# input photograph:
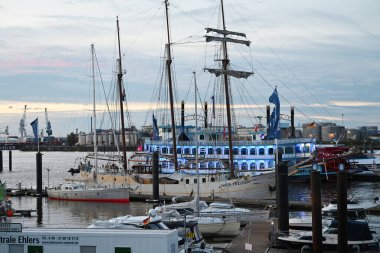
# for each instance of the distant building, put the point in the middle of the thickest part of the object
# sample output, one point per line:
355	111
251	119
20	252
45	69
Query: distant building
333	133
352	134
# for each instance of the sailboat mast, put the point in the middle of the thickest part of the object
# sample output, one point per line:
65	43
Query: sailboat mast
168	67
225	63
120	81
94	111
196	137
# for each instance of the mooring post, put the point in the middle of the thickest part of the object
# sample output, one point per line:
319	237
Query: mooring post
39	173
39	210
1	161
316	207
156	183
342	209
283	197
10	160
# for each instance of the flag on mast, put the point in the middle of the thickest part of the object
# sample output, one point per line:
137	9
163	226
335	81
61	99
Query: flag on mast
34	125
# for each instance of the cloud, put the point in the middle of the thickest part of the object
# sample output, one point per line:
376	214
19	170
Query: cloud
354	103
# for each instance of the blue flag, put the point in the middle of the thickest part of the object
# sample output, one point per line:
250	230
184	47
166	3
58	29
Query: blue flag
34	125
156	135
274	122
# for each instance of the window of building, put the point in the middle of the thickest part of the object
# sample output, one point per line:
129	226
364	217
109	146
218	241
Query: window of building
212	179
164	150
226	151
195	181
261	151
211	165
252	151
187	181
252	166
201	137
244	166
193	151
16	248
243	151
179	150
123	250
218	151
186	151
210	151
203	180
39	249
202	151
262	166
171	151
270	151
236	151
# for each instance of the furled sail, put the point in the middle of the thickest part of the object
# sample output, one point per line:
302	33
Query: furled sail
226	39
224	32
234	73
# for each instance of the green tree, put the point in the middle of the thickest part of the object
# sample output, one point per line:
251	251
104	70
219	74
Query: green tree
72	139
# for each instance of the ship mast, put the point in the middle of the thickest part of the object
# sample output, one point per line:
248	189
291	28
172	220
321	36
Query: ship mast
226	72
94	112
168	67
120	83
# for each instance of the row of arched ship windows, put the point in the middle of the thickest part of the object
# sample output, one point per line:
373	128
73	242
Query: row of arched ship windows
298	149
217	165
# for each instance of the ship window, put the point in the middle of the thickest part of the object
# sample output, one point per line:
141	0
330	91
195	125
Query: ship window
39	249
306	149
252	151
261	151
243	151
212	179
87	249
203	180
187	181
210	151
298	149
280	150
218	151
226	151
270	151
236	151
201	137
123	250
289	150
16	248
195	181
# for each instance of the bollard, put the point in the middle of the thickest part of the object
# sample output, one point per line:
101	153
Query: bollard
10	160
156	182
342	209
316	207
39	173
1	161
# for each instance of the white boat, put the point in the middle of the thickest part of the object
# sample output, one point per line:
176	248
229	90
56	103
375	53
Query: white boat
359	237
189	235
355	211
91	191
228	225
84	192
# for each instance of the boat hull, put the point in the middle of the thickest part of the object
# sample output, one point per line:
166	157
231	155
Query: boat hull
259	187
112	195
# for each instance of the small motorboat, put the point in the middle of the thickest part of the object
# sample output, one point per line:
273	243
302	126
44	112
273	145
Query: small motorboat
359	237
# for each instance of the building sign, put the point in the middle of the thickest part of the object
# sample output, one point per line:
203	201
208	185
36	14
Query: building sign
10	227
7	146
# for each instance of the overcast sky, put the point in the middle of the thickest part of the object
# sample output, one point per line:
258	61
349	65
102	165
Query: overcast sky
324	56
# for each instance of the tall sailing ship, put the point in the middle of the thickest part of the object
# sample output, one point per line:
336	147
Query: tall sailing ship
229	168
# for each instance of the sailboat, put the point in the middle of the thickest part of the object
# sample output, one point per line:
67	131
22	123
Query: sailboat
85	191
233	169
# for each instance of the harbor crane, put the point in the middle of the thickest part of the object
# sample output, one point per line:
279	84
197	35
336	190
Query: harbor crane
49	131
22	126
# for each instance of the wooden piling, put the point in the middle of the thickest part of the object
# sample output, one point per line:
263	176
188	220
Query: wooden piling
342	211
10	160
316	206
39	173
156	183
1	161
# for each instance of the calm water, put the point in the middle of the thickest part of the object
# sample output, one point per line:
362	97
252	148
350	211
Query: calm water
80	214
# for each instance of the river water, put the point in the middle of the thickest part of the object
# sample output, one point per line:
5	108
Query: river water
53	213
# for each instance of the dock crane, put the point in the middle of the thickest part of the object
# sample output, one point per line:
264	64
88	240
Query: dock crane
49	131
